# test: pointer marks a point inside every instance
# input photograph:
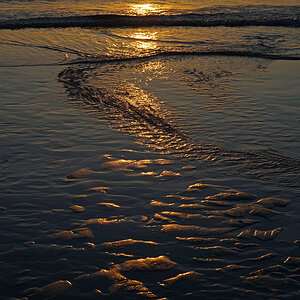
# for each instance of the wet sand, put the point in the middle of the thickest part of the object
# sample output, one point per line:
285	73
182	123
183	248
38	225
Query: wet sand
88	212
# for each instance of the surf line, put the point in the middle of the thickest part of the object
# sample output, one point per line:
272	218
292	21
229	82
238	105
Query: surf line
186	53
226	53
115	21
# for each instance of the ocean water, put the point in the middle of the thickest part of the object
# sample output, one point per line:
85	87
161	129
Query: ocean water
149	149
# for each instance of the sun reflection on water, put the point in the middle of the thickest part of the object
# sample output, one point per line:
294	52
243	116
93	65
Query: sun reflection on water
145	9
145	40
144	35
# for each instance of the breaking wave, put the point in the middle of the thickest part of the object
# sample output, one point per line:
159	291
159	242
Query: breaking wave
287	16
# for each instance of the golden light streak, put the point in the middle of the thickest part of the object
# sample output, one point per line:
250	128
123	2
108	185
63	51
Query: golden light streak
144	9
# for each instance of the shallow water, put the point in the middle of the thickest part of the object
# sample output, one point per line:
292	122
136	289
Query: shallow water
154	162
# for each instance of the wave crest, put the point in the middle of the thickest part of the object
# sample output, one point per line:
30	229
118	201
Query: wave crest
287	17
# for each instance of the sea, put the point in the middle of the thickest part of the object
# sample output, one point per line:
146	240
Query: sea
149	149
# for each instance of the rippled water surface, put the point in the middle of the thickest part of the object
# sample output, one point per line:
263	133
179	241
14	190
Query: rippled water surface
31	8
150	162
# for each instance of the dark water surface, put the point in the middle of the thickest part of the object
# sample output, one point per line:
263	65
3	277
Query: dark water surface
150	162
